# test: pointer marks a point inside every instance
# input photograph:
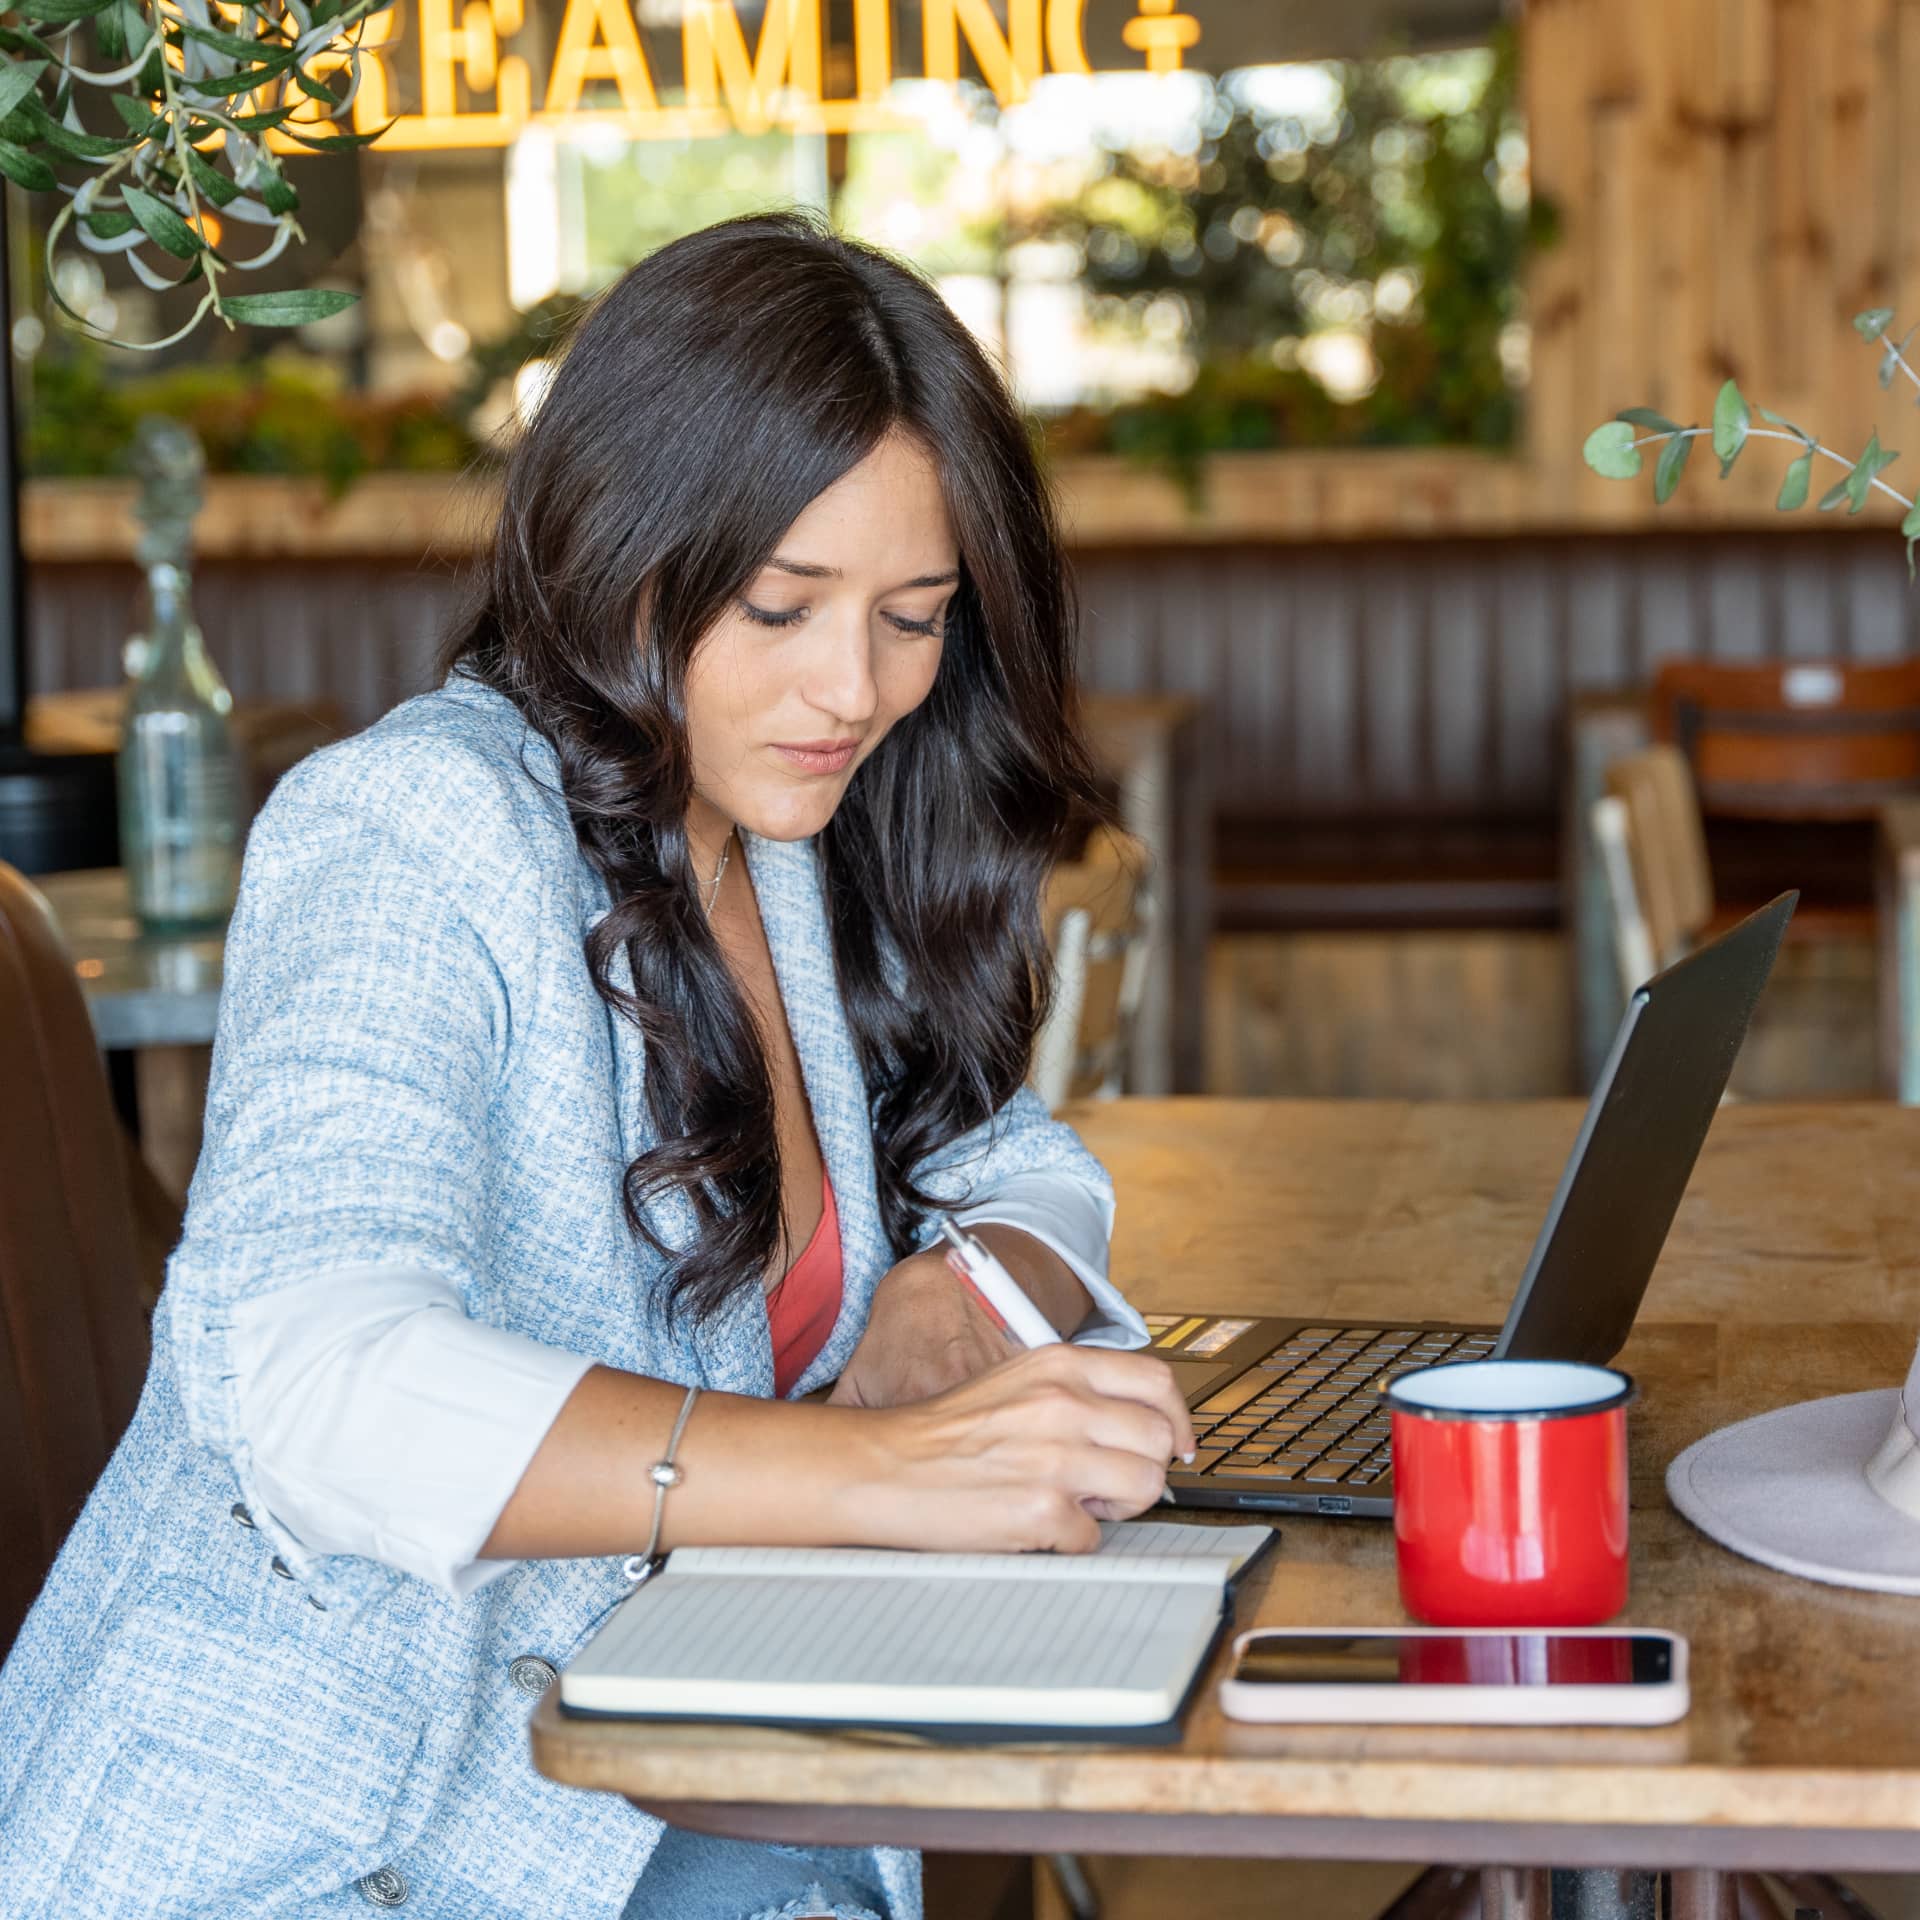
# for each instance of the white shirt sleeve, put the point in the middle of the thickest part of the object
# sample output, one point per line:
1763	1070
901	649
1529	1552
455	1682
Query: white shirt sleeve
1075	1219
383	1421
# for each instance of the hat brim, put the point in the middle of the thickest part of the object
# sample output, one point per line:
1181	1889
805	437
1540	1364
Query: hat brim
1789	1490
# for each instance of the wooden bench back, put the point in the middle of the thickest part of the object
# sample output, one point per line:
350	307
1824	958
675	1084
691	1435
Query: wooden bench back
1805	740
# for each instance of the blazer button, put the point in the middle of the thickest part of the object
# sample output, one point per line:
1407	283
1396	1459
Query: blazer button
241	1516
531	1674
383	1887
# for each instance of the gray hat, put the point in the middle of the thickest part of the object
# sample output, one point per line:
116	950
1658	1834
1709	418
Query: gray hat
1829	1489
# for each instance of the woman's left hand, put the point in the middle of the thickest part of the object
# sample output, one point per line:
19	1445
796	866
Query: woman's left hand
926	1331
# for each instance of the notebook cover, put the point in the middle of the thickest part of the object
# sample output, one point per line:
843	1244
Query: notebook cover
1155	1733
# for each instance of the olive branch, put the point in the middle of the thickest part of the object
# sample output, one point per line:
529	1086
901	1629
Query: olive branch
1613	450
178	77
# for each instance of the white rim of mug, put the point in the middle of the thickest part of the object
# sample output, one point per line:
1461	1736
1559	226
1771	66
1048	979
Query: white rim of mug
1622	1392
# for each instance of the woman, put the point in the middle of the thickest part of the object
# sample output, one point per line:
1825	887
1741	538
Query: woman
604	1024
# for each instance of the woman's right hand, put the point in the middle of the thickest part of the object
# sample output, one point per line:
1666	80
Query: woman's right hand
1028	1456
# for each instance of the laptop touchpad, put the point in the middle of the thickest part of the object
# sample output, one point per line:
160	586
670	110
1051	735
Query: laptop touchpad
1191	1375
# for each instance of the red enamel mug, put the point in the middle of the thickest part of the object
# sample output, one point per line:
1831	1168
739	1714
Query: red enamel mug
1510	1492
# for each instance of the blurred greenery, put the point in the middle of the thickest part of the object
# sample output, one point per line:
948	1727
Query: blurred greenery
1389	209
1278	226
285	413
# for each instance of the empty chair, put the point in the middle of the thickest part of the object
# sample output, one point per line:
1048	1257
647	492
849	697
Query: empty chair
1816	1035
1627	919
1825	740
1666	848
1098	917
73	1336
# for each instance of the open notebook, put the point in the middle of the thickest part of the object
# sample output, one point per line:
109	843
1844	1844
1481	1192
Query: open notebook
966	1645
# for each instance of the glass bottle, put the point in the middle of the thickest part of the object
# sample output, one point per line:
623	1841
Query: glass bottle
178	772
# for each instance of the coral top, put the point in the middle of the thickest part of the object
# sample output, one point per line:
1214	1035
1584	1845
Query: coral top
805	1302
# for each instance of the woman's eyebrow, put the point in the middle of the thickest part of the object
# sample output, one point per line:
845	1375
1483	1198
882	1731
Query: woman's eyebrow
809	571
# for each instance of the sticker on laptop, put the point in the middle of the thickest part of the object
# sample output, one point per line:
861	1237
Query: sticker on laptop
1217	1335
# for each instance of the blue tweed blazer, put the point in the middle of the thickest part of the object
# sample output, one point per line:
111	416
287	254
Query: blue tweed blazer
201	1717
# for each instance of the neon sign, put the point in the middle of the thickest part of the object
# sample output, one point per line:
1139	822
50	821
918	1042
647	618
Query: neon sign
778	84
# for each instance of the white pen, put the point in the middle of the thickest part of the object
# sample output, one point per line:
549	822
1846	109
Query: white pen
971	1260
976	1264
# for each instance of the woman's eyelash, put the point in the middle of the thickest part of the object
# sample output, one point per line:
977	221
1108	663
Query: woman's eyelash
761	617
764	617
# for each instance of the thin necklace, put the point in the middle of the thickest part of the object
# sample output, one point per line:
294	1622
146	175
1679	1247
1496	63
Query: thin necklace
725	851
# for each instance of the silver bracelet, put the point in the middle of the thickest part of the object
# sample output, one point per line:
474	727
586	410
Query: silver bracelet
664	1474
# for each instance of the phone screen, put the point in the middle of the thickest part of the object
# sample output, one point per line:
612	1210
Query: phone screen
1455	1660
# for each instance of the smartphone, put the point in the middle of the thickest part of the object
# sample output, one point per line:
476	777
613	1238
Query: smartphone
1551	1676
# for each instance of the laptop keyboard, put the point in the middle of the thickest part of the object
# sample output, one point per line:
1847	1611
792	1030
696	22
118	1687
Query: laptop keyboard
1312	1411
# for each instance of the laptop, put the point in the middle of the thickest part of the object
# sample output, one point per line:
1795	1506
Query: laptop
1288	1414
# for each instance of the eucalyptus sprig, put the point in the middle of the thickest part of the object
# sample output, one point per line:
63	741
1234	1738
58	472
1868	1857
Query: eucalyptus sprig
194	93
1613	450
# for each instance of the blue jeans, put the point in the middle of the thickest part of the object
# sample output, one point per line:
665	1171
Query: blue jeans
694	1876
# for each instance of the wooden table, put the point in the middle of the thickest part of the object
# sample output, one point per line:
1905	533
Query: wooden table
1790	1273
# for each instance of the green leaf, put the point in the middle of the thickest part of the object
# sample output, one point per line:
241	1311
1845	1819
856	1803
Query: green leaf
21	40
1834	495
1873	323
1910	526
21	127
248	80
1780	420
83	146
1730	424
277	195
140	118
293	308
340	141
262	122
315	89
60	12
18	81
109	223
1610	451
161	224
1646	417
27	169
215	185
1874	460
1672	464
1795	487
236	44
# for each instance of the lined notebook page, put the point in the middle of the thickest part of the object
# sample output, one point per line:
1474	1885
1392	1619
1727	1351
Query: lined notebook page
1129	1550
863	1646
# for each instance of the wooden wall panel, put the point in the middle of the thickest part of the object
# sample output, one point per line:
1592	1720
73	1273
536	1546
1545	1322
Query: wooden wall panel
1415	681
1395	681
1737	179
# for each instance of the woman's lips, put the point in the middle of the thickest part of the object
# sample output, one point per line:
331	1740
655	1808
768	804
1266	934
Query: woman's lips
817	756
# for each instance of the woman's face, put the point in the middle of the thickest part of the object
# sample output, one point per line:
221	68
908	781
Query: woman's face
834	641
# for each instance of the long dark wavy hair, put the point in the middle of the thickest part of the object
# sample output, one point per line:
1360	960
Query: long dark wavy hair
698	406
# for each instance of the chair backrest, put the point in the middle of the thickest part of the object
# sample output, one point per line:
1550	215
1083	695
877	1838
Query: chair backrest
1667	847
1098	917
1806	740
1632	942
73	1337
